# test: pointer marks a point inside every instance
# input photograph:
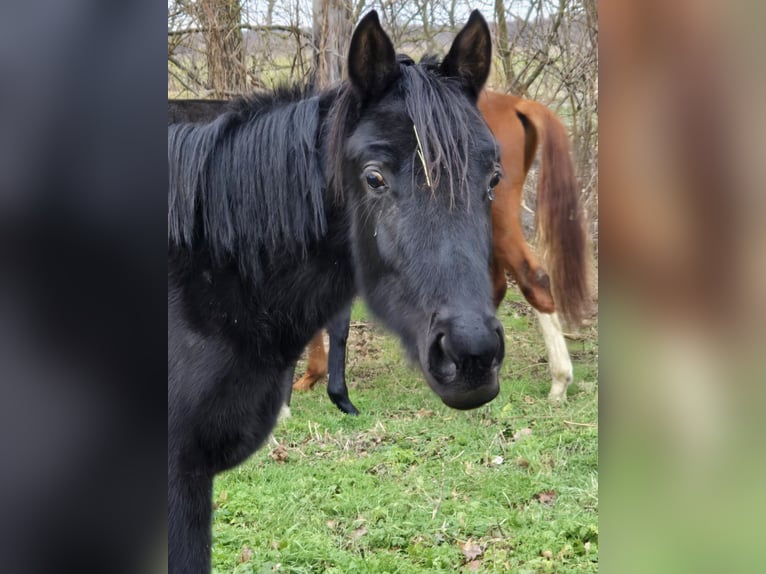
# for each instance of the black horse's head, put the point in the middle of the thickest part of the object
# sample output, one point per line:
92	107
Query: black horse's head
417	165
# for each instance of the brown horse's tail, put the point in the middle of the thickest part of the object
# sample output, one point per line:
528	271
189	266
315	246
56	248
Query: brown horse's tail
559	218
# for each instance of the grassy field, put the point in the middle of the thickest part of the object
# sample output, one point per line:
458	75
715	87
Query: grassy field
411	486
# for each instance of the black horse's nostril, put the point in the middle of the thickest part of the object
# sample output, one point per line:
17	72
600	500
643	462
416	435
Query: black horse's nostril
442	344
440	361
446	349
471	343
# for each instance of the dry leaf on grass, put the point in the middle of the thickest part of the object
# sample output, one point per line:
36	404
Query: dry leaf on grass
546	496
279	454
471	550
246	555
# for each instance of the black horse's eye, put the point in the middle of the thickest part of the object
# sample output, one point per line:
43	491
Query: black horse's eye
374	179
495	179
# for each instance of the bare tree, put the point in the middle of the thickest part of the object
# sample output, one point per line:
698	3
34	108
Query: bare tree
333	24
502	44
220	25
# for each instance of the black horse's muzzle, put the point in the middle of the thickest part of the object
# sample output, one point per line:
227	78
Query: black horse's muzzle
463	354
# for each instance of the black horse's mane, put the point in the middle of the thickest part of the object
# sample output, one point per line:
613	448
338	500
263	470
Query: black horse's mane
252	180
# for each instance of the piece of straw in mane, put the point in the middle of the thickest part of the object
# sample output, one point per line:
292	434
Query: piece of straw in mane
441	125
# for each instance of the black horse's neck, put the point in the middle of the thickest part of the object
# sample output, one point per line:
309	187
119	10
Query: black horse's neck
254	225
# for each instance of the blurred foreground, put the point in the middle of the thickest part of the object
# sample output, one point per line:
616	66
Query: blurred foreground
681	294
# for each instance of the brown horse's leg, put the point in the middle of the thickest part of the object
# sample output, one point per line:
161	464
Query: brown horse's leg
533	281
317	367
499	282
559	361
513	254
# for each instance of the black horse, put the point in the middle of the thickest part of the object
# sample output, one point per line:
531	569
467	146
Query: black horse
180	111
285	206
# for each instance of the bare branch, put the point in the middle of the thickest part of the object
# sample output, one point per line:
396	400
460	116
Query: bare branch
257	28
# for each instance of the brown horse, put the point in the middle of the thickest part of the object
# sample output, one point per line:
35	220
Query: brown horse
519	126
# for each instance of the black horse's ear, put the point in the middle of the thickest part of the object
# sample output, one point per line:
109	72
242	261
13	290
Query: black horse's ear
470	56
372	62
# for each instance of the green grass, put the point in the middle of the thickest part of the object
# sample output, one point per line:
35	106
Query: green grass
411	486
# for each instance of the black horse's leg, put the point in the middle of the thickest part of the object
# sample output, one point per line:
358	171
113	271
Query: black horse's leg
287	385
190	499
288	382
337	329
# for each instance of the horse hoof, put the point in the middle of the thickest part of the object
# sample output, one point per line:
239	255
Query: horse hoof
557	397
305	383
349	409
284	413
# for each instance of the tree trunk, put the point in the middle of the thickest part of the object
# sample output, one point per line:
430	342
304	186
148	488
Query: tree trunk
503	46
224	48
333	22
591	18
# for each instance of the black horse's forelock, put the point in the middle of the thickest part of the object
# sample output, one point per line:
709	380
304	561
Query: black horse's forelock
444	123
437	107
249	182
